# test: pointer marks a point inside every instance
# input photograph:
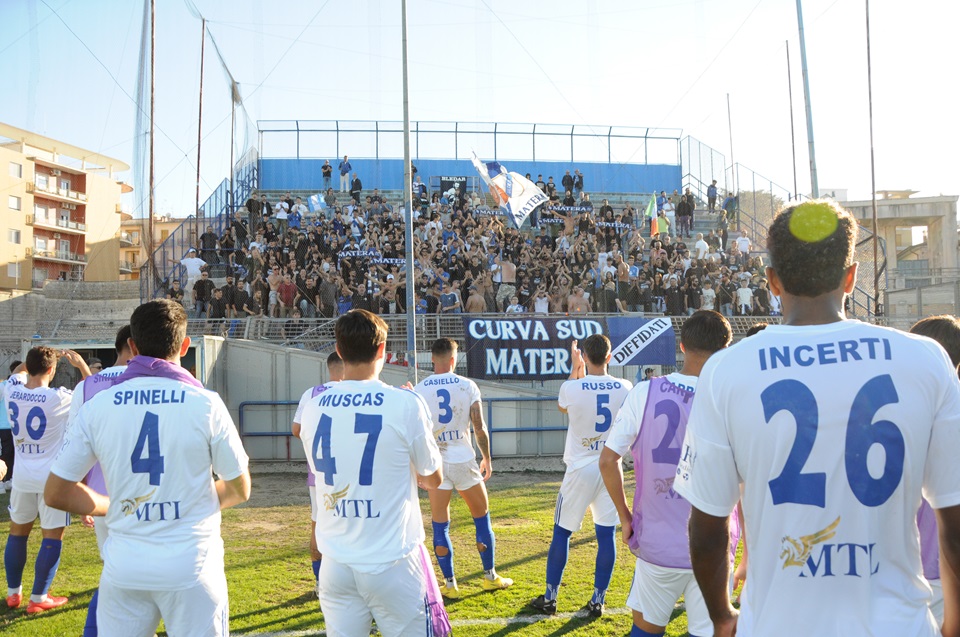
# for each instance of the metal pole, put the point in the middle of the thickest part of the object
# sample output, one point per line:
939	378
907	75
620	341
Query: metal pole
873	174
730	131
203	41
153	41
814	186
793	139
408	206
233	130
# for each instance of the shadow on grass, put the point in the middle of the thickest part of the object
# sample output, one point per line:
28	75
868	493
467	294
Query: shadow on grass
304	619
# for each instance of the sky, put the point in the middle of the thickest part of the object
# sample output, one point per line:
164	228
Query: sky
69	70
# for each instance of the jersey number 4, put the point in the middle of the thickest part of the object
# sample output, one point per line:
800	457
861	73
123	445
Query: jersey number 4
326	464
149	437
792	485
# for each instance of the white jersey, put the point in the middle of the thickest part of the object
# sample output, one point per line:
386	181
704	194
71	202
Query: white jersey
450	397
833	431
365	441
157	440
592	404
38	420
78	395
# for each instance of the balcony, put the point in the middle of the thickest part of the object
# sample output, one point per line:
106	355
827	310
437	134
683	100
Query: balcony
59	256
60	225
128	240
57	194
126	267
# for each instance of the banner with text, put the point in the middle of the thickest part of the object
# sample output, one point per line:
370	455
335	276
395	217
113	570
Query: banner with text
539	348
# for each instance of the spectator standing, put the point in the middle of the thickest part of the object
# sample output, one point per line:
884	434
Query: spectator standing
175	292
356	189
684	215
701	247
578	181
254	209
202	294
476	304
327	171
744	298
712	196
286	296
208	245
567	181
193	265
743	244
345	169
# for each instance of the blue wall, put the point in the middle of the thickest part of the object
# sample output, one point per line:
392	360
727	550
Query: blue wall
387	174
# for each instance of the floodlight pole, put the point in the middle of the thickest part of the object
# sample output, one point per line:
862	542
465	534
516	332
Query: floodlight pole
814	186
873	176
408	208
154	273
793	138
203	41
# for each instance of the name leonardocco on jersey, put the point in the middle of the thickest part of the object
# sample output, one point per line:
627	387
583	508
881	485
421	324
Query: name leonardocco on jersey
26	397
829	353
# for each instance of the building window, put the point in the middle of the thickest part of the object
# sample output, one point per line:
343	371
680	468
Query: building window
13	202
13	235
40	244
41	214
64	184
13	270
42	180
16	170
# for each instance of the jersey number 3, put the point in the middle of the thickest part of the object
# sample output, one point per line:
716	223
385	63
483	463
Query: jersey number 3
792	485
149	437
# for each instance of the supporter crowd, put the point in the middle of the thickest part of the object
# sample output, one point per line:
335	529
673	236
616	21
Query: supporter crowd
287	259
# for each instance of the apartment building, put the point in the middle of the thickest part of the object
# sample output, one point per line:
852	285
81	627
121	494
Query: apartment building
61	211
133	241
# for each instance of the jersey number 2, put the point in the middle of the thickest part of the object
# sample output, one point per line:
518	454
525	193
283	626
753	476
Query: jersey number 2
150	438
326	464
792	485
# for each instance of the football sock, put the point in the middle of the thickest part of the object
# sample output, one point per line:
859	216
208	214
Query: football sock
45	568
636	632
90	627
442	548
14	559
316	570
486	544
557	560
606	558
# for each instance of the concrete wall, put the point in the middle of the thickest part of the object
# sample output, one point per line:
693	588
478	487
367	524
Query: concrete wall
250	371
304	174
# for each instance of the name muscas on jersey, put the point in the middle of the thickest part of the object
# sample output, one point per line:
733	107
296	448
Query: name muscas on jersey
351	400
600	386
150	397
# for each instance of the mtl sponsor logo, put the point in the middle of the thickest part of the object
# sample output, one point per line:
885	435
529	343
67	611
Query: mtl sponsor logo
344	507
818	558
147	511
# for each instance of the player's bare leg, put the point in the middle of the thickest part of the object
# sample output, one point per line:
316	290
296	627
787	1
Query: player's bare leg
476	499
442	547
643	628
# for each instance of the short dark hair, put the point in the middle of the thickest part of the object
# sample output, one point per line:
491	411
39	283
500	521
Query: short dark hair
811	245
40	359
944	329
334	359
756	328
706	331
158	328
123	335
444	347
596	347
14	365
359	333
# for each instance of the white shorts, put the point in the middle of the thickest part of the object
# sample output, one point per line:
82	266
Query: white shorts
198	611
313	503
26	506
100	530
655	591
460	475
936	604
582	488
350	599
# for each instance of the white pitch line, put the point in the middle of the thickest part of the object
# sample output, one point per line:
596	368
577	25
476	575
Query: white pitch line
499	621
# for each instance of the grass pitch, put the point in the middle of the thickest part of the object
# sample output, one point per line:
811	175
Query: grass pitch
271	583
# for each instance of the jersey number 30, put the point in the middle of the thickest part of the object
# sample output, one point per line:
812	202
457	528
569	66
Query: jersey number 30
792	485
326	464
34	415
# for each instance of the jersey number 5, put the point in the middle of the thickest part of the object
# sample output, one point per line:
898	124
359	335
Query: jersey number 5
325	463
150	438
792	485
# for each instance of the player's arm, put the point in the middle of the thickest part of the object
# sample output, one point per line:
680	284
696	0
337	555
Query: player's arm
77	361
710	557
948	527
74	497
611	469
483	440
577	366
233	492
